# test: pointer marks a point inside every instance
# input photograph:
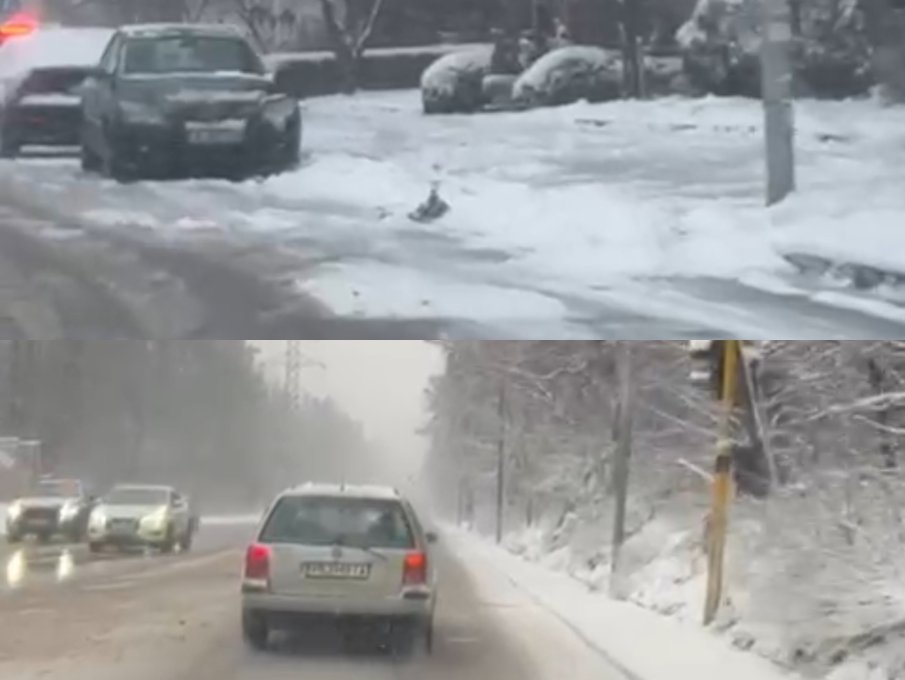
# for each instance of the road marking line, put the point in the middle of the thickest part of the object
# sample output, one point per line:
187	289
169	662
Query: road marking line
183	565
116	585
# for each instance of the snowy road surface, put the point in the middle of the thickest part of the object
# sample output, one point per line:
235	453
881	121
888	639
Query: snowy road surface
179	620
632	219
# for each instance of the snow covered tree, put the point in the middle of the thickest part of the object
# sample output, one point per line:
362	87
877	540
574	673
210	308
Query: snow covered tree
350	24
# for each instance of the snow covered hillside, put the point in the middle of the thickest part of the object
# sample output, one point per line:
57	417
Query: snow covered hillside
814	560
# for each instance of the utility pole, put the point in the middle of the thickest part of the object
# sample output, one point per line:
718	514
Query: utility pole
501	461
776	87
293	368
722	479
632	61
623	453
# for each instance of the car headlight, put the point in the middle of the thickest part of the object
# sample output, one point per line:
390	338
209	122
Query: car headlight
69	511
134	113
14	511
98	519
156	520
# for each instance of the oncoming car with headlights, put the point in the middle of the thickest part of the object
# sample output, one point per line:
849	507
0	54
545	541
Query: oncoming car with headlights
54	507
354	556
134	515
176	99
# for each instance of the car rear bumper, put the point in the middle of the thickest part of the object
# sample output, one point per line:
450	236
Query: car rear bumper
400	606
45	126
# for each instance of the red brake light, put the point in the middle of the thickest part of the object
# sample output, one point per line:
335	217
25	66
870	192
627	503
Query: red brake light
257	562
18	24
414	570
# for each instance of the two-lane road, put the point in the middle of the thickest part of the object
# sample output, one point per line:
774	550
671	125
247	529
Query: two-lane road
178	620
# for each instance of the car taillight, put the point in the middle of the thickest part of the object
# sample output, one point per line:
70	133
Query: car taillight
18	24
257	564
414	569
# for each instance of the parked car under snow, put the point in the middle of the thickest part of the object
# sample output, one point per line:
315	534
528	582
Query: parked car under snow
569	74
170	100
454	83
40	79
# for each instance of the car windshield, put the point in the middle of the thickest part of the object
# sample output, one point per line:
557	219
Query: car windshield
356	522
186	54
137	497
57	488
54	81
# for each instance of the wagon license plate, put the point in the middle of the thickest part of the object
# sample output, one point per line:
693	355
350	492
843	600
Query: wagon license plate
336	570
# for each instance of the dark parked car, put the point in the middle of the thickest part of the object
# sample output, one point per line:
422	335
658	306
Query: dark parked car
53	507
177	99
40	78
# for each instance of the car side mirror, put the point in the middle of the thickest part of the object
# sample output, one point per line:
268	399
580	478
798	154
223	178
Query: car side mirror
431	537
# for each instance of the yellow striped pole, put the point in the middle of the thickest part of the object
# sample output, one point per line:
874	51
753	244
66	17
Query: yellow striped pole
722	481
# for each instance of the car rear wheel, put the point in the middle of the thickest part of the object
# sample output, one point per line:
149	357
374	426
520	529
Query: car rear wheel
292	151
255	630
402	640
91	162
13	538
186	543
8	147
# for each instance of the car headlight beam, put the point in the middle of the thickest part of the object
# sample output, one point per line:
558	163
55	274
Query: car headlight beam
98	519
14	511
156	520
68	511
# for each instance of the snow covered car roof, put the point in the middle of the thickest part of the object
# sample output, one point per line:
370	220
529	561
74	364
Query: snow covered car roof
164	30
53	48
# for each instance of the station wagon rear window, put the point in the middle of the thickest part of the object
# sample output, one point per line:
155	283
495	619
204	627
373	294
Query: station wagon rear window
328	520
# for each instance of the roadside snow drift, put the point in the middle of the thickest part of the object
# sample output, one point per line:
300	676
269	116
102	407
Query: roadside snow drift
644	645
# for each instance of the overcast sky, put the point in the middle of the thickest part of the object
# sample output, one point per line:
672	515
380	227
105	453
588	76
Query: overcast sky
378	382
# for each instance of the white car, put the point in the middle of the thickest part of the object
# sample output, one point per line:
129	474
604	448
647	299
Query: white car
356	556
142	515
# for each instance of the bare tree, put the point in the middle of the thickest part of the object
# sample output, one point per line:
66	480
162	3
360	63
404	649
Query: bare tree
350	24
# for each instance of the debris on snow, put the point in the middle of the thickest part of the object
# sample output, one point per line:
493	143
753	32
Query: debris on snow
432	209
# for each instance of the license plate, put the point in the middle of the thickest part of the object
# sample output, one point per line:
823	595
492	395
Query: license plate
39	521
215	135
336	570
124	526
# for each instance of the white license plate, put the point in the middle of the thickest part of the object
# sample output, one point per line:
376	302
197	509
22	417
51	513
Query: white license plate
336	570
215	135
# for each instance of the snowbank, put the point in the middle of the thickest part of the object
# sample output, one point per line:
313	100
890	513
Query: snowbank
641	643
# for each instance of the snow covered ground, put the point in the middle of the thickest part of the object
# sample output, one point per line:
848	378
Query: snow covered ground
796	595
644	645
559	217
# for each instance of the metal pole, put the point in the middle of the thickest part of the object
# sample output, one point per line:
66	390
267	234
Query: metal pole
501	463
776	85
722	483
623	453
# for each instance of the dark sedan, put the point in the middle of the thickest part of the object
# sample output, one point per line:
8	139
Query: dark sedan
171	100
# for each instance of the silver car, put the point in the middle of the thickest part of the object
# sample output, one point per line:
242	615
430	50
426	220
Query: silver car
356	556
142	515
